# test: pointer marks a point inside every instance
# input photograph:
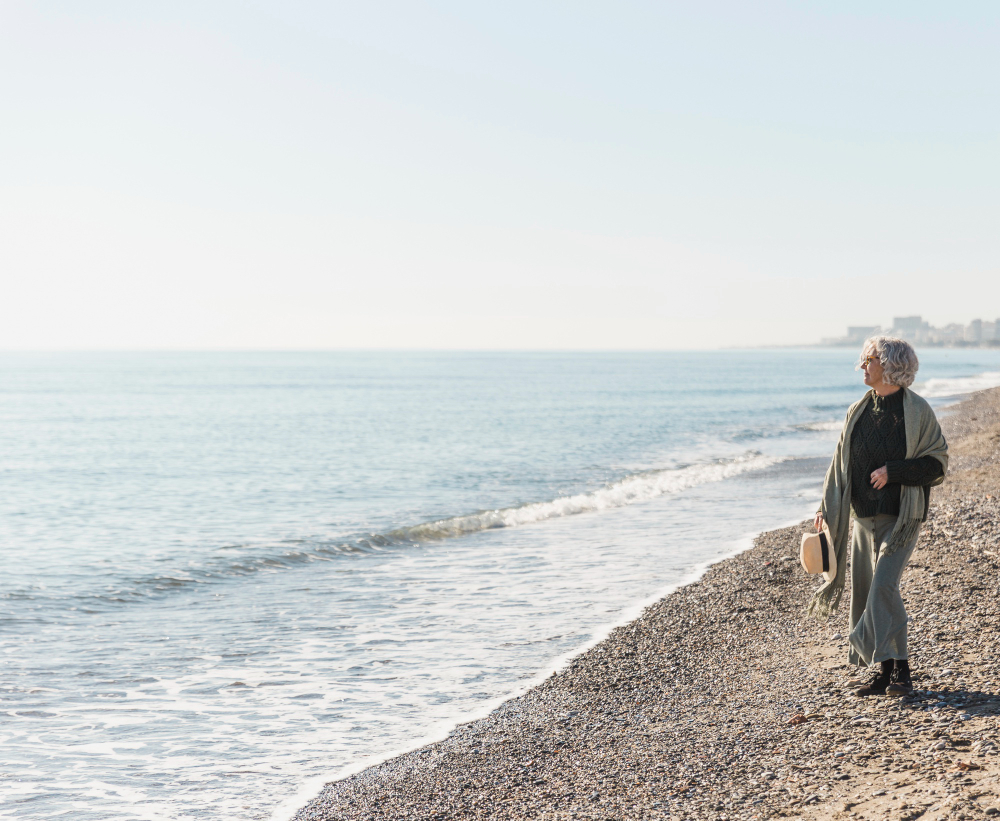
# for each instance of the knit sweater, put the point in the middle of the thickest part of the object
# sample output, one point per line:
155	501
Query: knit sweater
879	440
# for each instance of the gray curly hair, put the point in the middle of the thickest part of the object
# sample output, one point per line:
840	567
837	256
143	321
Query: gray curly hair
899	360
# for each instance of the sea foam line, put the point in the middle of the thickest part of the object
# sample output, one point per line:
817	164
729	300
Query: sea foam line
312	787
958	386
639	487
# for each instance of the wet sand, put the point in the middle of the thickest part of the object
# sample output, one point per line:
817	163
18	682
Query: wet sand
724	701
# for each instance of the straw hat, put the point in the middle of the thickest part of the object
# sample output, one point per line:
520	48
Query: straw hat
817	554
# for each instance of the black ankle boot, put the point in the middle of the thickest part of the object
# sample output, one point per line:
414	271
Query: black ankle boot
877	684
901	684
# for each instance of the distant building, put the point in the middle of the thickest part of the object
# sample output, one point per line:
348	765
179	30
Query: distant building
954	332
911	328
909	324
917	330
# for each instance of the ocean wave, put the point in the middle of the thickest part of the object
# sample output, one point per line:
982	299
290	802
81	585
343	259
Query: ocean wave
258	558
753	434
957	386
830	424
635	488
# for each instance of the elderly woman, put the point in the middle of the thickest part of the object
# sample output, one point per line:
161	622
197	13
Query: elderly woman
891	452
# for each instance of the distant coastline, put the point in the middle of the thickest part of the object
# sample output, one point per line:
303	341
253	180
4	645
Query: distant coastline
842	343
916	330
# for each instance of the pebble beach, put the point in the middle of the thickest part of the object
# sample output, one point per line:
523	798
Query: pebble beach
724	701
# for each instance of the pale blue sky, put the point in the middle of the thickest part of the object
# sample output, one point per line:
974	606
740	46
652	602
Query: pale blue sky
512	175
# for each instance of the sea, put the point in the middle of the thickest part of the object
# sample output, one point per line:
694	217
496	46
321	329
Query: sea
227	578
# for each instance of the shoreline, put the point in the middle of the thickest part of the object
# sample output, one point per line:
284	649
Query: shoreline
289	809
708	704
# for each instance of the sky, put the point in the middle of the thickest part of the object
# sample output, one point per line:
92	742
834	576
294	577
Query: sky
516	175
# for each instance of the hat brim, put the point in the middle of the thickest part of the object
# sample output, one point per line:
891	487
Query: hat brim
818	550
830	574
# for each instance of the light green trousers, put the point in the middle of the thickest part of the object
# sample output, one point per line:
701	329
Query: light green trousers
878	617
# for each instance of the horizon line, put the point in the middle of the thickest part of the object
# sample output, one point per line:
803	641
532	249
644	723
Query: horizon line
6	351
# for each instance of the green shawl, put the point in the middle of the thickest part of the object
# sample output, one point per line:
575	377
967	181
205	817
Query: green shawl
923	438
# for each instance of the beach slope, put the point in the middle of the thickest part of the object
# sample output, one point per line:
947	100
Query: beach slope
724	701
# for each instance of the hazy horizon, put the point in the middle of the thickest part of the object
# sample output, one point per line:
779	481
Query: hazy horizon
439	176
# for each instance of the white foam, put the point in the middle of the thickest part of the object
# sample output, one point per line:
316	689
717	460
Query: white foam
832	424
312	787
957	386
640	487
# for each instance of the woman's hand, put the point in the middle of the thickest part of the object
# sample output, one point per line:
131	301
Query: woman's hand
880	478
819	520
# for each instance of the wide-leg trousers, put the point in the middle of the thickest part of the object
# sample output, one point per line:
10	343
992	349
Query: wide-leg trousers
878	617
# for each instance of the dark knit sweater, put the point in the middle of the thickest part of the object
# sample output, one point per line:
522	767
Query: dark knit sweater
879	440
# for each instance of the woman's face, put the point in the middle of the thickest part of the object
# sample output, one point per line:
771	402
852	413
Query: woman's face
873	369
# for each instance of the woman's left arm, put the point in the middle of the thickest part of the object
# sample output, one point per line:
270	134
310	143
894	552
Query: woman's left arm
920	472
